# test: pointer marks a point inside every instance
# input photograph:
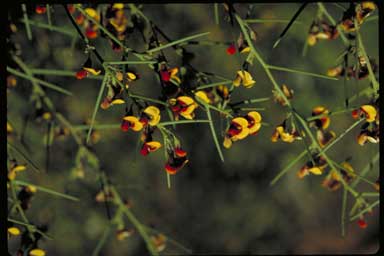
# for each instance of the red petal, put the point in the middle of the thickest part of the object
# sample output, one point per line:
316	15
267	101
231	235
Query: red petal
125	126
165	75
231	49
144	150
362	223
81	74
180	152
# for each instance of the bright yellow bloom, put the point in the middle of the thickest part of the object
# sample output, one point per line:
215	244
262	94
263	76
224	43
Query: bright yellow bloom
151	115
245	78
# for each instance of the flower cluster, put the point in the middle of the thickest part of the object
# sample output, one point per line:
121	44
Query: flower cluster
321	30
370	130
117	24
241	127
324	136
358	12
281	132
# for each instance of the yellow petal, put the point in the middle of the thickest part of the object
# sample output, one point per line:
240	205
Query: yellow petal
203	96
92	13
255	116
14	231
153	145
315	170
37	252
246	49
154	114
241	121
186	100
137	125
92	71
237	81
118	102
227	142
370	112
118	6
131	76
19	168
9	128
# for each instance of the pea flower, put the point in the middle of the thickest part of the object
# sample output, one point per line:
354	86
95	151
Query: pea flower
332	180
177	159
287	92
367	111
317	167
202	95
282	133
238	130
168	74
184	106
150	115
323	121
244	77
87	68
131	122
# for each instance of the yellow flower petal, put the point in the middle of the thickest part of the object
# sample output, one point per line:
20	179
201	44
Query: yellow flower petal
131	76
118	6
154	115
19	168
227	142
92	13
37	252
186	100
370	112
137	125
203	96
153	145
315	170
118	102
92	71
14	231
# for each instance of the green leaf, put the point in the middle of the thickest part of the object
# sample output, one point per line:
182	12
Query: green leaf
41	82
97	105
177	42
214	133
46	190
300	72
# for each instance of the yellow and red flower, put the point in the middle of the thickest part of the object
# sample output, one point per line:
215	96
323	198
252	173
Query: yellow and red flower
223	92
177	159
287	92
324	137
184	106
363	10
244	77
168	74
367	111
321	30
150	146
150	115
332	180
254	122
323	121
202	95
282	133
238	130
87	69
316	167
131	122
